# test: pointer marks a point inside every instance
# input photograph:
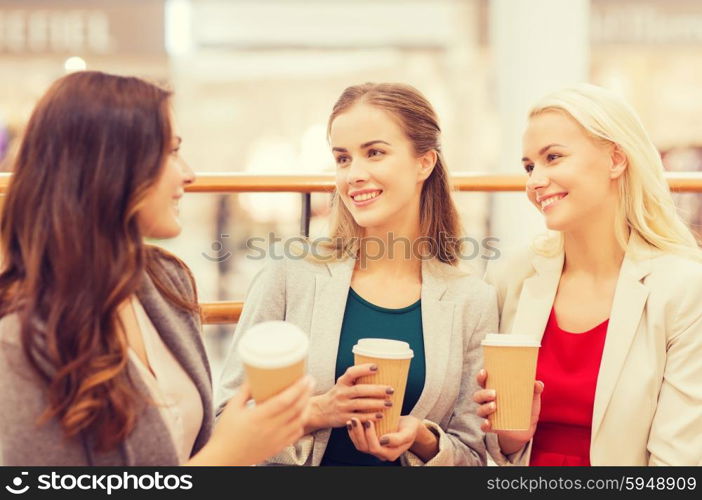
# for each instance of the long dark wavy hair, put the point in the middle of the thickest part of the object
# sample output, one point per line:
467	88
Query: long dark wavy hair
71	247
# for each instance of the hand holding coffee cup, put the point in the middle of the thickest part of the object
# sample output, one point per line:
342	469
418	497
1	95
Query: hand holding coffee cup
392	357
349	398
510	398
510	441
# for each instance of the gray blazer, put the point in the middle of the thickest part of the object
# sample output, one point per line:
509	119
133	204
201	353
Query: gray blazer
457	311
23	443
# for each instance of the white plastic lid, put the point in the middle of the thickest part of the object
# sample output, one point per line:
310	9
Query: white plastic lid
383	348
273	344
510	340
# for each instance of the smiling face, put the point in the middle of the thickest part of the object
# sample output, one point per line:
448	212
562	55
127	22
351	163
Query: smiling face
572	177
159	214
379	177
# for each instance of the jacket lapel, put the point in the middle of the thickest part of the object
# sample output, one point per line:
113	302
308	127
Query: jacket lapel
330	293
537	296
627	309
437	325
187	348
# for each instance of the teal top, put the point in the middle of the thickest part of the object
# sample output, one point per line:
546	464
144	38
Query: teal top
365	320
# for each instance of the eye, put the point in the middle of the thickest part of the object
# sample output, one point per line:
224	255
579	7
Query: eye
342	160
553	156
375	152
529	167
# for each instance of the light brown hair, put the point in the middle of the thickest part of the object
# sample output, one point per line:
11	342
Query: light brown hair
439	220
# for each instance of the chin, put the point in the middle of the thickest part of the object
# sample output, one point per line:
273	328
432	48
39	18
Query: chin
164	233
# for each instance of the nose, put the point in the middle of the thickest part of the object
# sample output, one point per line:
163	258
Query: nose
537	180
188	174
357	173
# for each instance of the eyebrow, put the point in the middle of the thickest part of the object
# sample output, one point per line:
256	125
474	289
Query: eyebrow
363	146
544	149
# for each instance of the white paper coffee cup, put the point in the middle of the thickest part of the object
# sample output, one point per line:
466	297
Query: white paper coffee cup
274	355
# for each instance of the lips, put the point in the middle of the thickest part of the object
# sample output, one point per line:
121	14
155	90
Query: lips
549	200
365	197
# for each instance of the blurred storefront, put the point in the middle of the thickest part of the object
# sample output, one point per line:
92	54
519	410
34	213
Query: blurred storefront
255	80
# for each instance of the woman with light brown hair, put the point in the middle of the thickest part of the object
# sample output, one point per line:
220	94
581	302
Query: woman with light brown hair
389	270
100	340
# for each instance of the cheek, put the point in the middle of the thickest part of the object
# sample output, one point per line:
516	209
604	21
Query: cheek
531	196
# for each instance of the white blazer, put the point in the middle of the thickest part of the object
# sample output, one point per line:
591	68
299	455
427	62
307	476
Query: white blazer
648	399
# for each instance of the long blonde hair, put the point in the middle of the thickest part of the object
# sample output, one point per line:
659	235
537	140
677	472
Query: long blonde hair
645	206
439	220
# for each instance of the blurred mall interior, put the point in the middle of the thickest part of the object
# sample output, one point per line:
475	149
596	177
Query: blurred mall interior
255	80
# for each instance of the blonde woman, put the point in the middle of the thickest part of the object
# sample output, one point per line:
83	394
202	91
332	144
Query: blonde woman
390	271
615	296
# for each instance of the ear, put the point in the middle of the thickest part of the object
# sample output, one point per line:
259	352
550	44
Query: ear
619	162
427	162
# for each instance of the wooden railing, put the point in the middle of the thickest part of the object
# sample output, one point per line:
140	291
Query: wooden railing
229	311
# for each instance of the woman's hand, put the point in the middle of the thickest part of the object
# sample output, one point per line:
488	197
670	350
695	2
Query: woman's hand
347	400
247	435
510	441
390	446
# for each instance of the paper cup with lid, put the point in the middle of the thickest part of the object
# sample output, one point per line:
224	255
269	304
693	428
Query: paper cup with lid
510	362
274	355
393	359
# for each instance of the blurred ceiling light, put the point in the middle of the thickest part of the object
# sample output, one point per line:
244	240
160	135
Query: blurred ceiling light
179	33
75	63
275	156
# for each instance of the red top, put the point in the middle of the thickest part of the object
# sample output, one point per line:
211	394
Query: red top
568	365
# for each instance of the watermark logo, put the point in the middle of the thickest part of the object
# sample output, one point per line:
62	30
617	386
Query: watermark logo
222	253
370	248
16	488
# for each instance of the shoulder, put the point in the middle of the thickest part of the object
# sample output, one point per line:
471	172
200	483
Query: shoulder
172	268
676	269
513	266
282	264
461	285
677	280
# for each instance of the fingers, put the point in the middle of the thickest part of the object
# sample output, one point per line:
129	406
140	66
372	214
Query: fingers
367	405
356	431
538	387
370	391
285	402
484	396
481	378
354	372
486	409
394	439
242	395
485	426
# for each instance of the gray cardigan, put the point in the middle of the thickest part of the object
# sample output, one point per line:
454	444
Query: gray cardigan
457	311
22	443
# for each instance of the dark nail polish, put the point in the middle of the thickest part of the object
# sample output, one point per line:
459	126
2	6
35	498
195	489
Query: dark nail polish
366	425
353	422
389	390
388	403
374	368
383	441
378	415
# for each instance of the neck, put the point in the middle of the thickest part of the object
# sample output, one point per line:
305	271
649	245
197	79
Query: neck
594	250
391	250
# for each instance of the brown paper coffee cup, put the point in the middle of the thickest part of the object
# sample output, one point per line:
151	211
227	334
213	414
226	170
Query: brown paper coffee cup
274	356
510	362
393	359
